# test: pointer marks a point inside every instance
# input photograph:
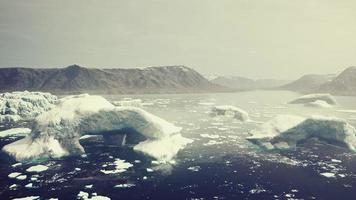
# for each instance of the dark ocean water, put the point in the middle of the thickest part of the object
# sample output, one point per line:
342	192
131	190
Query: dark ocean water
227	167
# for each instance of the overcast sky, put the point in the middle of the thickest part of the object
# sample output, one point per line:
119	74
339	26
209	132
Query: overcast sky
253	38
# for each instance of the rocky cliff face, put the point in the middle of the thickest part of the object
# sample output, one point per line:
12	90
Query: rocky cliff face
308	83
343	84
170	79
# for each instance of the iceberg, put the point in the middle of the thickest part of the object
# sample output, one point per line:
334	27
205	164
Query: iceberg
128	102
288	133
230	111
56	133
315	100
25	105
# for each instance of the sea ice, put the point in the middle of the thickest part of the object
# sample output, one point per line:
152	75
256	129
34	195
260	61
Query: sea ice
318	100
37	168
230	111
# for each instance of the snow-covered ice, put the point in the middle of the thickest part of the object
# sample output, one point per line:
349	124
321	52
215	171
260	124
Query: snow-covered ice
286	133
230	111
56	133
25	105
129	102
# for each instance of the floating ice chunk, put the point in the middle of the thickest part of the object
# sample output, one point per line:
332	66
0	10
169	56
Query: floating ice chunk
120	166
37	168
310	98
56	133
230	111
88	186
347	111
85	196
26	105
129	102
21	177
13	187
125	185
16	165
328	174
331	130
29	185
212	142
194	168
14	174
28	198
318	104
205	135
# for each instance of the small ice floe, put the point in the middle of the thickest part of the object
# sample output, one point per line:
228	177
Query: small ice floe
37	168
125	185
205	135
28	198
315	100
144	178
194	168
336	161
347	111
29	185
85	196
129	102
258	189
212	142
77	169
88	186
21	177
14	175
206	103
16	165
230	111
328	174
13	187
120	166
149	170
15	132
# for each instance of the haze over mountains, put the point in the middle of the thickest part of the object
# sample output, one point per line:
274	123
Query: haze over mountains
242	83
342	84
169	79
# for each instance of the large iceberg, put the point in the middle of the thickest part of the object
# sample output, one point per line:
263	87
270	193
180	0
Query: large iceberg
286	132
315	100
56	133
25	105
230	111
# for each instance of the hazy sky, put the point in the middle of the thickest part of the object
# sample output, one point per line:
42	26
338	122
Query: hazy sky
254	38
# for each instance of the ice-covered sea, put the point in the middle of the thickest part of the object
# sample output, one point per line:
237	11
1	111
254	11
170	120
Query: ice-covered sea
219	164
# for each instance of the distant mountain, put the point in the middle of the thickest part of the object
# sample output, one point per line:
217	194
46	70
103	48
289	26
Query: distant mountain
308	83
343	84
72	79
242	83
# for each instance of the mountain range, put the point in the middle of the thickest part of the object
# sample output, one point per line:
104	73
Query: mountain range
74	78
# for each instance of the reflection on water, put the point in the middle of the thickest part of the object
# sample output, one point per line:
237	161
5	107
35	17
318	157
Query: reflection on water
219	164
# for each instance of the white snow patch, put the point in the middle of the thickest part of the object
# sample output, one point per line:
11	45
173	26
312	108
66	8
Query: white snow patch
205	135
129	102
125	185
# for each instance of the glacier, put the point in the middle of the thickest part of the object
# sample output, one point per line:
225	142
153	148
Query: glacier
56	133
230	111
287	132
16	106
